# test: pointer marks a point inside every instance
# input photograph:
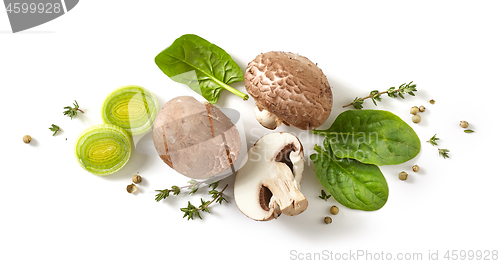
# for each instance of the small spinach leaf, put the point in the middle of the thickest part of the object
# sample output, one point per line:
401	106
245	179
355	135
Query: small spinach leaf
203	66
372	136
353	184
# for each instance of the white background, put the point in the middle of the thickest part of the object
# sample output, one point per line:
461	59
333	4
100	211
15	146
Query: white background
52	211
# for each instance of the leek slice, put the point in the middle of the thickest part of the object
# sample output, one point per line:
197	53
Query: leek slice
132	108
103	149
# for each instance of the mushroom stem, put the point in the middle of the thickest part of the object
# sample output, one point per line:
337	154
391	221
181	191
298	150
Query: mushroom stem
266	118
286	193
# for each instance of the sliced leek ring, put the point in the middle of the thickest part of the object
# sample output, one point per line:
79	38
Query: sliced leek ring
103	149
132	108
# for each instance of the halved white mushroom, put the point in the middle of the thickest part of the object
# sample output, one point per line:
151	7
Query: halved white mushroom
269	182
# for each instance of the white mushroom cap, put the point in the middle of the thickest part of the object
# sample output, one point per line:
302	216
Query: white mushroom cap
290	89
269	182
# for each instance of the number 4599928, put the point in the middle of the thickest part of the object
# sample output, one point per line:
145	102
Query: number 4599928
471	255
25	8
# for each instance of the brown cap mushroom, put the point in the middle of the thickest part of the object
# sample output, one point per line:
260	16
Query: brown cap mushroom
288	88
268	184
196	139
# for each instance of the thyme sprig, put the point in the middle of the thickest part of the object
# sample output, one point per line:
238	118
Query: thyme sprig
433	140
194	186
324	196
55	129
444	153
192	211
375	95
72	111
175	190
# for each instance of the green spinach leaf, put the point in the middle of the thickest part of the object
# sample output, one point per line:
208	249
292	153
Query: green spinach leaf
353	184
372	136
203	66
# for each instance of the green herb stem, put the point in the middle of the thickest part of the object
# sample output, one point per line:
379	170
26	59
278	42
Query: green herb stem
375	95
175	190
317	148
244	96
191	211
215	198
366	97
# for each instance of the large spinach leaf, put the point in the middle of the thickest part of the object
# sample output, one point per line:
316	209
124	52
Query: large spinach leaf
352	183
372	136
203	66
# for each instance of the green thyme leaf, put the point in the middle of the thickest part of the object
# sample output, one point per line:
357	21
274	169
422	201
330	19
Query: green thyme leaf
324	196
54	129
433	140
444	153
357	103
72	111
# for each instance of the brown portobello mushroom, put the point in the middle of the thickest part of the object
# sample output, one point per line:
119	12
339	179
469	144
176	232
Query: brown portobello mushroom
289	89
195	139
